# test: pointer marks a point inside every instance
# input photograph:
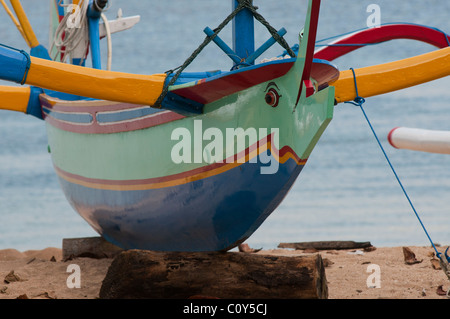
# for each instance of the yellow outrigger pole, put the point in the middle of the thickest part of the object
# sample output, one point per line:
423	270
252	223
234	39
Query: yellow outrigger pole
14	98
393	76
73	79
144	89
94	83
25	26
16	23
62	77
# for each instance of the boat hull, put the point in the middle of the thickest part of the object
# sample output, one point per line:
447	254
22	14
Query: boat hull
213	213
117	167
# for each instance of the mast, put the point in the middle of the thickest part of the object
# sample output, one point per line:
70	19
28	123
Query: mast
243	32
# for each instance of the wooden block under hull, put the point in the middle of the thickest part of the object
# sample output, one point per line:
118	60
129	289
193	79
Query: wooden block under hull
95	247
140	274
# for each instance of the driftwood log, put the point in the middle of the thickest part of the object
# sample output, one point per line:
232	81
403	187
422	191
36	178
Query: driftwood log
326	245
139	274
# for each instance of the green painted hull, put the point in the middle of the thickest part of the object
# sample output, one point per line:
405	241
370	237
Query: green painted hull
146	153
154	179
131	189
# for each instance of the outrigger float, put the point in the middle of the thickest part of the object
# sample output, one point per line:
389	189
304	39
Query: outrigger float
139	156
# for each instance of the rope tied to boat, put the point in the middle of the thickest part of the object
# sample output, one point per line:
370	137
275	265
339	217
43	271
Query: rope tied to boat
358	101
242	4
72	30
444	259
27	66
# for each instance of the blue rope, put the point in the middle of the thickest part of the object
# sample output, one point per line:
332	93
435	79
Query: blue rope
27	67
359	102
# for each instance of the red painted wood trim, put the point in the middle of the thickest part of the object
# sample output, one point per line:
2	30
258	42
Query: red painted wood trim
382	34
214	88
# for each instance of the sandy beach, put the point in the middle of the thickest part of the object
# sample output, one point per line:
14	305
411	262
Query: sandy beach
351	274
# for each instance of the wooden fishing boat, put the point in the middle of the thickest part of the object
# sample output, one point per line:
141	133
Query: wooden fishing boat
194	161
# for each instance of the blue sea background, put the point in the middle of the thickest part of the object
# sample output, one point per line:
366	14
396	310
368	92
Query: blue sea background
345	192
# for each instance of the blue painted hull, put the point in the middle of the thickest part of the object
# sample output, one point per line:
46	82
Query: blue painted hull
217	212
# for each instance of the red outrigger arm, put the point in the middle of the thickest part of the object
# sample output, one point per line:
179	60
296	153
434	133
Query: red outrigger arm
387	32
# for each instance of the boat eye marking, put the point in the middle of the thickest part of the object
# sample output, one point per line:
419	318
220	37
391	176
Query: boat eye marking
272	96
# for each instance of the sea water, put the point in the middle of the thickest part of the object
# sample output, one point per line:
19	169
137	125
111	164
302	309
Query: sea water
346	191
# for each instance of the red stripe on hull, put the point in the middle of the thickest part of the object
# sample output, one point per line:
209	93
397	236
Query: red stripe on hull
206	171
88	107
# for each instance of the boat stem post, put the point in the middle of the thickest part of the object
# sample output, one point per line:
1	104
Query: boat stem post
243	32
